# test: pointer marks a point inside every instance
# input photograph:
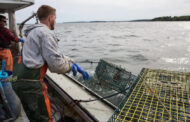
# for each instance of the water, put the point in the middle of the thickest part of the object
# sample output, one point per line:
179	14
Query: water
133	45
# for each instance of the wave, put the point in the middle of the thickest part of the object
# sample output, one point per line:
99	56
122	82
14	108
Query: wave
138	57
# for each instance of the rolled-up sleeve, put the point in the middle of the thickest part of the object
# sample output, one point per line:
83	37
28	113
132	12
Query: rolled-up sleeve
56	62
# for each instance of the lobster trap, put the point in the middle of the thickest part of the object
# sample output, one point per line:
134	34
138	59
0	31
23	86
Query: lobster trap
113	76
159	95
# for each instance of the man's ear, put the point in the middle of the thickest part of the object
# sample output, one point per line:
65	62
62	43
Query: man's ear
49	18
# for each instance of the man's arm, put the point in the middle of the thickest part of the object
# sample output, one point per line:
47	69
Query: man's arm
56	61
10	35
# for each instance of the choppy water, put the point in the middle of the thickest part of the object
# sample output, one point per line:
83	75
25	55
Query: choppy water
133	45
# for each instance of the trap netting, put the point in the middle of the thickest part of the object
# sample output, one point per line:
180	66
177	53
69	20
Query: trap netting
159	96
113	76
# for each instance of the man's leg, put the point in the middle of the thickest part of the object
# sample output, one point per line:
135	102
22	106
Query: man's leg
32	98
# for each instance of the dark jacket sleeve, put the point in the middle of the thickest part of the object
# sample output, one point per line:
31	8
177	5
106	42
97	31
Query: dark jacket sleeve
10	35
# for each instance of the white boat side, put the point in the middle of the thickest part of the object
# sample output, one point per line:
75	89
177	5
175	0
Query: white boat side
98	109
13	5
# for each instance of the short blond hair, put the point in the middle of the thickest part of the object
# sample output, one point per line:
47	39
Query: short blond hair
44	11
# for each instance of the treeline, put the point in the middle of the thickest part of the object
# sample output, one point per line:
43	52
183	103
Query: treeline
175	18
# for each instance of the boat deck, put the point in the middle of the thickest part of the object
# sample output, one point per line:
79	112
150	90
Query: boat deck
101	111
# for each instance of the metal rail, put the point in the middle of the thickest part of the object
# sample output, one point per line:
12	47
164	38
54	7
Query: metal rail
22	24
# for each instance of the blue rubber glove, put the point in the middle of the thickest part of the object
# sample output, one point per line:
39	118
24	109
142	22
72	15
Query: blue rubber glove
22	40
85	74
73	69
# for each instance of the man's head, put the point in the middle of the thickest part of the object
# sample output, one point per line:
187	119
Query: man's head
3	21
47	15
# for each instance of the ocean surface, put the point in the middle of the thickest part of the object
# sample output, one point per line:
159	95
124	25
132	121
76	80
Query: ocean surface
131	45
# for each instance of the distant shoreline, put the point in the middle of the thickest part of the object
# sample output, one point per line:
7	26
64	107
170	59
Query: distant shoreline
120	21
157	19
164	18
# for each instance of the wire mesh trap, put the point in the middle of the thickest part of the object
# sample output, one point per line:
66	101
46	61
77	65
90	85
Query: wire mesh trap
113	76
159	95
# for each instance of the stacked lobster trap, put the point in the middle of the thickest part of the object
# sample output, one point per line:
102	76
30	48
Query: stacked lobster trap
159	95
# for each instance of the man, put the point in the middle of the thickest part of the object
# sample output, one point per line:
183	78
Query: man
6	36
40	52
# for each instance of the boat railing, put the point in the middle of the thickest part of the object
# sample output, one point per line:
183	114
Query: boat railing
26	20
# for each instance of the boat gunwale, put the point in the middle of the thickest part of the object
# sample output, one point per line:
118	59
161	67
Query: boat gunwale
85	114
92	92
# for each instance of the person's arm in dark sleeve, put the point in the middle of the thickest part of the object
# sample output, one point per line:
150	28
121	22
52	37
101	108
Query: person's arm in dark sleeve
10	35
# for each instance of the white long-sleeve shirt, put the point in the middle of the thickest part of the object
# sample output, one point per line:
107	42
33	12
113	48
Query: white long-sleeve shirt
41	47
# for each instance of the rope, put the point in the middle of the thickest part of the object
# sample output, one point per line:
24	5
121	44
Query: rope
91	62
102	98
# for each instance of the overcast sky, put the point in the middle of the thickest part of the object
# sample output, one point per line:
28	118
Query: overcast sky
109	10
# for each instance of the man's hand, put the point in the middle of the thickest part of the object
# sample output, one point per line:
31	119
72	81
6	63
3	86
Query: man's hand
85	74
